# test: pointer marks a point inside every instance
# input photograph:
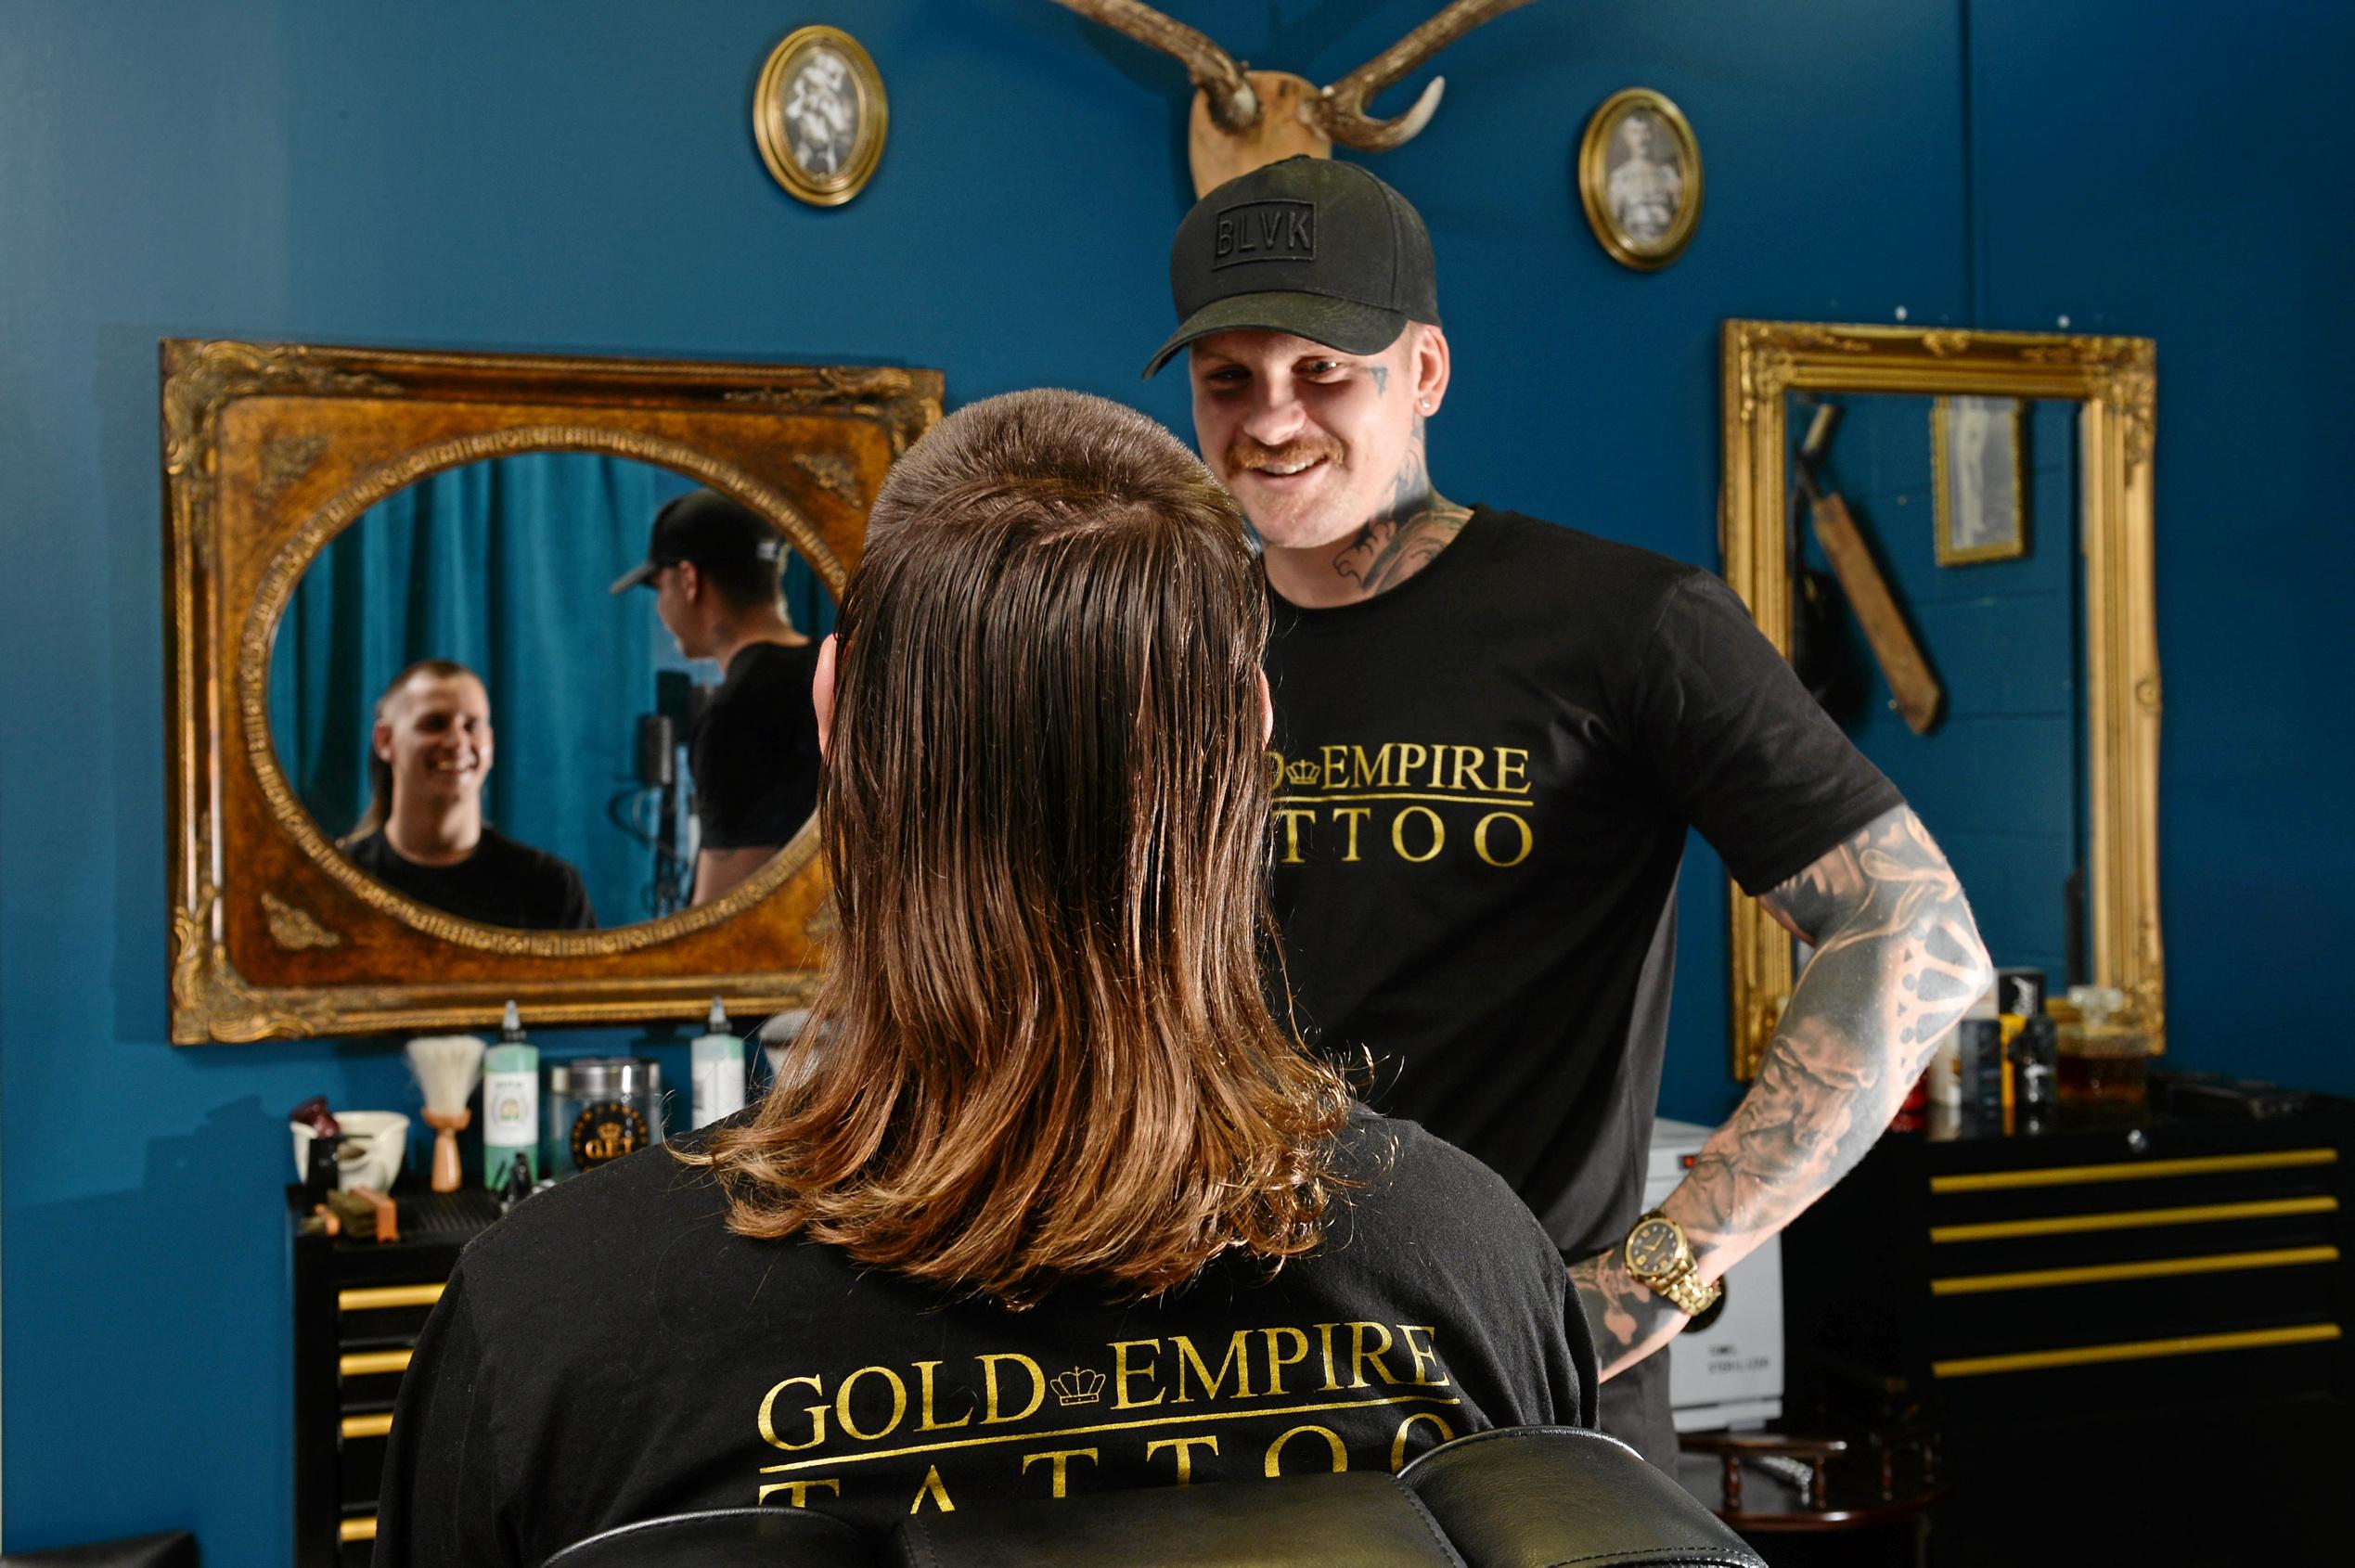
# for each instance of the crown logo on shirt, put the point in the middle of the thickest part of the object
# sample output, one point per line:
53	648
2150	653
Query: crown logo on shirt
1304	773
1078	1386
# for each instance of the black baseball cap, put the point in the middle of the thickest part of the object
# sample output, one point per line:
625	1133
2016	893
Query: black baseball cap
1307	246
707	528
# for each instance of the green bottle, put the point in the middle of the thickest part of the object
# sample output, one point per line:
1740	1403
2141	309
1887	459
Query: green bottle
510	1104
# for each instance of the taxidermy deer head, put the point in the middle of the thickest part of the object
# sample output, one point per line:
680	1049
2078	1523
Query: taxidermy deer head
1243	118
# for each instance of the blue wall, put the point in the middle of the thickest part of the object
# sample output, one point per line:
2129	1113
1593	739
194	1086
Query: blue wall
2150	170
576	175
1993	777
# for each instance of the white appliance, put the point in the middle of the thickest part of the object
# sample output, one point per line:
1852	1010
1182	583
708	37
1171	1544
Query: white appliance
1726	1370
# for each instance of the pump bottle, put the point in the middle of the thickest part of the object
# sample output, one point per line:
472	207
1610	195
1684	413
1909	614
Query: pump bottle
510	1104
716	1060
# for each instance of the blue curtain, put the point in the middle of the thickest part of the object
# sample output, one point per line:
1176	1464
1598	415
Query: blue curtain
504	566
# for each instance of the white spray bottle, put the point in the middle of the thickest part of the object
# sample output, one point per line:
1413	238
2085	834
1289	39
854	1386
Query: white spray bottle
716	1058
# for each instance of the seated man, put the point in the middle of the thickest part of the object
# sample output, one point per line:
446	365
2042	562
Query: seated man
715	569
424	836
1062	1209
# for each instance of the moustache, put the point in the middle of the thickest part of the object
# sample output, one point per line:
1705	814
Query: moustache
1243	453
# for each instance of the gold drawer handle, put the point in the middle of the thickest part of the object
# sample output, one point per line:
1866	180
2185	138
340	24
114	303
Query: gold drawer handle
369	1362
2139	1170
357	1529
373	1298
2135	1350
368	1426
2152	1269
2133	1219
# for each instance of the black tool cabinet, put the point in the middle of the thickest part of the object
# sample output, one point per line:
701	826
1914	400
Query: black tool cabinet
357	1308
2132	1331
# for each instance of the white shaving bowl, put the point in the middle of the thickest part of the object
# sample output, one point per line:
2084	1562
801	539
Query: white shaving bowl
386	1135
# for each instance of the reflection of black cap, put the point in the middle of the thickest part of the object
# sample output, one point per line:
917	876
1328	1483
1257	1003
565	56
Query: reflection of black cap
1307	246
708	529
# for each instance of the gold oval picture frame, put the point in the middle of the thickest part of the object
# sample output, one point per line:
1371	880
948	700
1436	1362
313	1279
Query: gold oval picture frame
1640	178
819	115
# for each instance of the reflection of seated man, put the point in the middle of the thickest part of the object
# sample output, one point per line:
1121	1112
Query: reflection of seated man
716	568
1018	1238
424	834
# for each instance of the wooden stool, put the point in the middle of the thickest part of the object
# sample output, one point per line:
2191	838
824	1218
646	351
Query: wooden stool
1771	1484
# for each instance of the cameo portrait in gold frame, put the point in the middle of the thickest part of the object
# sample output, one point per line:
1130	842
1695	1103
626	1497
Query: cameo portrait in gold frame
1640	178
819	115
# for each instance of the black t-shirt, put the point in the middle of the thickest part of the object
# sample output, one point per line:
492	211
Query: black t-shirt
754	750
1483	780
502	884
609	1353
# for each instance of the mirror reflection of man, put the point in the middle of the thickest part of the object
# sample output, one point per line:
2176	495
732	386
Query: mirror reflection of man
423	835
716	570
1493	734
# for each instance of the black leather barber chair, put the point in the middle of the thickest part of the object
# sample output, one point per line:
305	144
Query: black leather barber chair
172	1549
1513	1497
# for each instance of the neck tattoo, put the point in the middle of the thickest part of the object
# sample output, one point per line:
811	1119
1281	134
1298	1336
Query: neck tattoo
1406	534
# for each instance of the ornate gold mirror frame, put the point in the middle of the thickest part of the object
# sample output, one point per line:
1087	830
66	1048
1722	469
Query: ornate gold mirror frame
2115	382
269	450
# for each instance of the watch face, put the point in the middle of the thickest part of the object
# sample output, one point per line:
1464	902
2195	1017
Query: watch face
1654	1248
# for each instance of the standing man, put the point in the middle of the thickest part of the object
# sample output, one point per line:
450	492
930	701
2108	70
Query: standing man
429	751
1491	735
752	751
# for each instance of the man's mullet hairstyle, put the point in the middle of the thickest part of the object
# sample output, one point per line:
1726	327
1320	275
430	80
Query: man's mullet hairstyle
379	807
1042	1052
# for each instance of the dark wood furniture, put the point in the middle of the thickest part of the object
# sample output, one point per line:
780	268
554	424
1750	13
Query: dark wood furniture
2130	1331
1768	1484
357	1309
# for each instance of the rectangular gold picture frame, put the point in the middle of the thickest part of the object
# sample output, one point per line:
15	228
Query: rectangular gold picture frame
2114	384
1978	482
269	451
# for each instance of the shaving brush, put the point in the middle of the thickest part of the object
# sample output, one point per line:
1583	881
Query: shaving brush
446	1067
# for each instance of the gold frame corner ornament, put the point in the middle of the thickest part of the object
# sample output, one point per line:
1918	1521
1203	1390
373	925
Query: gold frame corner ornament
2114	383
1594	150
772	135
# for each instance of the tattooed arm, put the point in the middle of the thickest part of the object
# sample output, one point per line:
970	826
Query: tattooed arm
1896	961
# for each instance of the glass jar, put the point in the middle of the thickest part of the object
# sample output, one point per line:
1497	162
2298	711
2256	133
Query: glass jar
602	1108
2101	1059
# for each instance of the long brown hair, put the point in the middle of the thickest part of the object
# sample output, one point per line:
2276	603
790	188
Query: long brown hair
1045	1051
380	771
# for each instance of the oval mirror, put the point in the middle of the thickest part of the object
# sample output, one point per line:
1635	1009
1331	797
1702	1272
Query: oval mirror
552	691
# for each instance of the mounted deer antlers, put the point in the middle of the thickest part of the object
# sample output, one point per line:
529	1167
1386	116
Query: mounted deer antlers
1243	118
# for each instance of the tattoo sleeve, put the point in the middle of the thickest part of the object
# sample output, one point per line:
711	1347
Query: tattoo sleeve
1897	960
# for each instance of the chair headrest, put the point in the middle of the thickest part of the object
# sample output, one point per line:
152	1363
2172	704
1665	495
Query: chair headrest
1531	1497
726	1537
1366	1520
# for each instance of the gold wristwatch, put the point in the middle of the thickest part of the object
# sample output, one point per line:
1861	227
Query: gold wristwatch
1661	1260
